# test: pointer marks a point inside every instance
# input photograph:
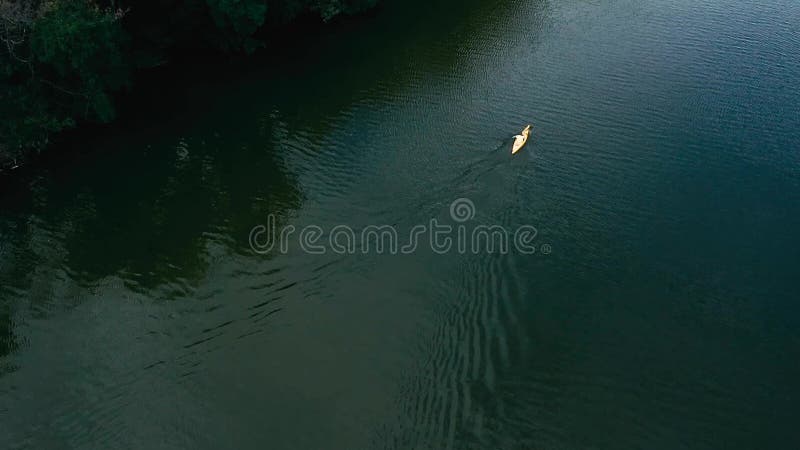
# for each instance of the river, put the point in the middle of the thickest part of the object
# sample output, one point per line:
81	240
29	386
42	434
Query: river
657	310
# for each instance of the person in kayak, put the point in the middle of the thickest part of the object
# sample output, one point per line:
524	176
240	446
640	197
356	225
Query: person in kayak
521	139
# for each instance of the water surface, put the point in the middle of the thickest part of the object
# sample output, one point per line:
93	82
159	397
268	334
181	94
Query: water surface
663	173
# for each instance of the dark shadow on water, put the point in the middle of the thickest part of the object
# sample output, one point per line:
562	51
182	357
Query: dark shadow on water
194	160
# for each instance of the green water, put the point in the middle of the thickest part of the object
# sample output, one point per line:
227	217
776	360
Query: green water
663	177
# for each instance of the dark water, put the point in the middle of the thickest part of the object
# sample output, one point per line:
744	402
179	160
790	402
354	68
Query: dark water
663	174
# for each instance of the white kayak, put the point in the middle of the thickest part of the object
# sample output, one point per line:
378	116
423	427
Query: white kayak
521	139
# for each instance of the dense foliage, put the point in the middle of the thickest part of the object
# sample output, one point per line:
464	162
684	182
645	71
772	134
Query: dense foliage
61	61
